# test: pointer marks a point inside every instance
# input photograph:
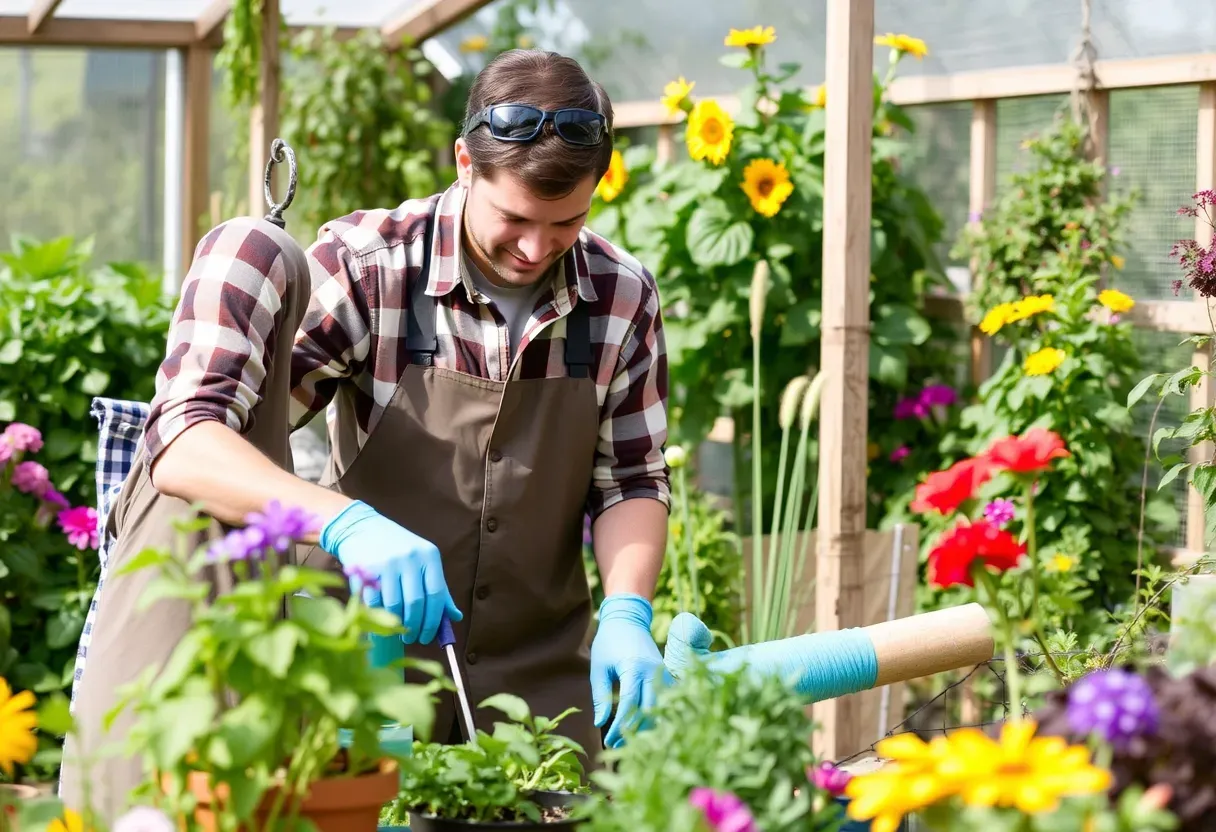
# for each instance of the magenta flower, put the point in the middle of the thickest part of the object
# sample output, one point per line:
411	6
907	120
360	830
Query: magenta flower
6	450
942	395
32	478
80	526
361	577
52	503
282	526
724	811
999	512
23	437
900	453
831	779
910	408
54	498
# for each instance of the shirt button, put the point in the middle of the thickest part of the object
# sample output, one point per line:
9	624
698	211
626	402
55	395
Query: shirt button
495	455
483	592
492	524
471	658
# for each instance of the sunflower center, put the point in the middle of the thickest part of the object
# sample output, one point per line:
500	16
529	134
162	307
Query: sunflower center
765	186
711	130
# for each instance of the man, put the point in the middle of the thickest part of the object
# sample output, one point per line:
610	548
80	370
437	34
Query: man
495	369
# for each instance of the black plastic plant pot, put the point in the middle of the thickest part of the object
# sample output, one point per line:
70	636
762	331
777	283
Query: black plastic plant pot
546	800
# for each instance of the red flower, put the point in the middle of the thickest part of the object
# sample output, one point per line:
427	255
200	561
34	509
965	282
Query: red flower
945	491
1032	451
951	559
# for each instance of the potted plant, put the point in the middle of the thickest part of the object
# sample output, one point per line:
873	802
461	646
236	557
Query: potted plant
259	717
523	776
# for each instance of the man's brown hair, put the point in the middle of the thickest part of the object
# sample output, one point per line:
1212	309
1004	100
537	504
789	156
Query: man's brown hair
548	166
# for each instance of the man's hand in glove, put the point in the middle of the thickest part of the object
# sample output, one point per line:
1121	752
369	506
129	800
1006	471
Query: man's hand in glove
623	652
407	567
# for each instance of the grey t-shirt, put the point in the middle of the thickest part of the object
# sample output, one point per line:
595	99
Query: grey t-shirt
514	303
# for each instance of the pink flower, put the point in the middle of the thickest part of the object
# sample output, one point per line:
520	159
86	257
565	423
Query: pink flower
900	453
910	408
54	498
80	526
23	437
724	811
999	512
6	451
831	779
31	478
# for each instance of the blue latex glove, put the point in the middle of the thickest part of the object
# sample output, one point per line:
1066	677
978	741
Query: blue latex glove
623	651
817	666
407	567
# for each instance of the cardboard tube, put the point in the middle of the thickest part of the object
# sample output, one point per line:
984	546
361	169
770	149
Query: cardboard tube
931	642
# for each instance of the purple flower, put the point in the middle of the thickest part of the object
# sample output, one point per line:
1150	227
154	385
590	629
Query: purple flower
831	779
900	453
586	529
23	437
909	408
938	394
999	512
54	498
361	577
239	544
1115	170
283	526
1115	704
974	216
723	810
32	478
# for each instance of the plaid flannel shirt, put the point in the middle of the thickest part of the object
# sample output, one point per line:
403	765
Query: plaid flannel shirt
350	349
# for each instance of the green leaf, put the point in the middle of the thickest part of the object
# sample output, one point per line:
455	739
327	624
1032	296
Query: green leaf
408	705
888	365
249	728
1172	474
6	628
64	628
10	353
515	708
802	321
275	651
1204	480
54	715
736	60
320	615
176	726
95	382
145	559
715	238
896	324
1140	389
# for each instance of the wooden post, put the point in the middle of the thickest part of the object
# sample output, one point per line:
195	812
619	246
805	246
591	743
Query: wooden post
665	146
1202	393
196	162
264	115
982	192
839	600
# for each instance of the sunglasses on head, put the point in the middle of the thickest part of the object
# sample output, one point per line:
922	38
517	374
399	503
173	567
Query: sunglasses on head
523	123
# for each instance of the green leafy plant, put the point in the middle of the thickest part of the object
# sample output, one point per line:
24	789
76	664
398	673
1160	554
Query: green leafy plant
361	120
737	733
256	701
240	55
749	187
493	777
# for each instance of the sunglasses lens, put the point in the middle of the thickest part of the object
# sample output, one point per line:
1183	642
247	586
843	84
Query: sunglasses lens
579	126
514	121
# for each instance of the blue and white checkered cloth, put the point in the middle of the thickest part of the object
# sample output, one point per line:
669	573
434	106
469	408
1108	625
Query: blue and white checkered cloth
120	425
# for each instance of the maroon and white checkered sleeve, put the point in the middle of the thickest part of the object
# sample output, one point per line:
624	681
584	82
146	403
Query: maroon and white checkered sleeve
215	359
633	423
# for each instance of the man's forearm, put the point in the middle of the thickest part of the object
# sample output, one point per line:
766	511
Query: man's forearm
629	540
211	464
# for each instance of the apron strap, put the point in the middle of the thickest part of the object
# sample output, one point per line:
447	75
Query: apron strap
420	338
578	341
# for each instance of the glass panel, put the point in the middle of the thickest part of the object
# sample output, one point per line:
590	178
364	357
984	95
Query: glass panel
342	13
15	6
82	137
133	9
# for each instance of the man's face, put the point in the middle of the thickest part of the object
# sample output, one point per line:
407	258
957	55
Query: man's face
515	233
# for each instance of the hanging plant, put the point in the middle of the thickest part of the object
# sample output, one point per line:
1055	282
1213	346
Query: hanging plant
241	52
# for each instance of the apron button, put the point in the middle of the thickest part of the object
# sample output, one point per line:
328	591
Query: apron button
495	455
483	592
492	524
471	658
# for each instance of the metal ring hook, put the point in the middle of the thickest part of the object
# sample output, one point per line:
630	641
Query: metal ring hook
279	149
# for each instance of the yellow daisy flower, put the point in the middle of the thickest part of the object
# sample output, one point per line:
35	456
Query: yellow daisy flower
70	822
1115	301
675	94
820	97
1117	261
525	42
1044	361
17	724
613	181
474	43
1061	563
907	784
710	132
755	36
1030	306
767	184
996	318
904	43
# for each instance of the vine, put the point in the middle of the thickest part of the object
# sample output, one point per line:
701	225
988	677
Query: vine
241	53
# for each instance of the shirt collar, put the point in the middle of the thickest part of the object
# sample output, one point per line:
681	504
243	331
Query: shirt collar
446	271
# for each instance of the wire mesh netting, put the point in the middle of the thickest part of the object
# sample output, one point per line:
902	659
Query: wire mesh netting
937	160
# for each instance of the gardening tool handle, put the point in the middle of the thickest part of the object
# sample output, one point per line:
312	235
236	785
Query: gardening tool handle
447	637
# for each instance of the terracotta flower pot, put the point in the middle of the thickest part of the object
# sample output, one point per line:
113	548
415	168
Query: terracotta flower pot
334	804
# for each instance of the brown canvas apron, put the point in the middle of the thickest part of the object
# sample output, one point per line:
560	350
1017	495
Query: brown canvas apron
126	640
496	475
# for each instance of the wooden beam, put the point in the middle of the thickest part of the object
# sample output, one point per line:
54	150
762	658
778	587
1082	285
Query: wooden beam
428	18
840	596
264	115
40	13
211	21
983	85
1180	316
196	162
982	192
1202	394
83	32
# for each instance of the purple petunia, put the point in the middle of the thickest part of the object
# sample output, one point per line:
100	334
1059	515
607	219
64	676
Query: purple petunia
1115	704
723	811
831	779
999	512
239	544
282	526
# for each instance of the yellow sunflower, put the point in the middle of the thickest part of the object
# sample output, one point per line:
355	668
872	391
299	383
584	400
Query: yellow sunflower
996	318
1031	305
1115	301
70	822
613	181
1044	362
904	43
1021	770
907	784
474	43
767	184
755	36
675	95
17	724
710	132
819	98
